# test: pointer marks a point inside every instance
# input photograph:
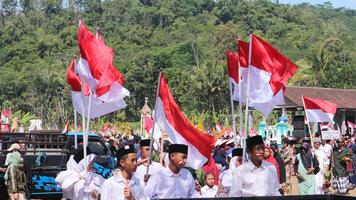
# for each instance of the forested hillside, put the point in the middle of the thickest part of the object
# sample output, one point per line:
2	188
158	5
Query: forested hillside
187	38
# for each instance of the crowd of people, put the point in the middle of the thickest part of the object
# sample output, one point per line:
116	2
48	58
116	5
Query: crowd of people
305	167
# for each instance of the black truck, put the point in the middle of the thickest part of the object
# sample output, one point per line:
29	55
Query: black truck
45	154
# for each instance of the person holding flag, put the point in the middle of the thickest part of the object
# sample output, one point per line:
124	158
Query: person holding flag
152	166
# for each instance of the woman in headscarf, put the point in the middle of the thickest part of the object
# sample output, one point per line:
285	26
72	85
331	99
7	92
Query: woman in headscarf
15	177
306	167
269	157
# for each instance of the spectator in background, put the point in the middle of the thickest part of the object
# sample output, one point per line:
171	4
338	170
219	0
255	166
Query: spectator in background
340	176
210	189
288	154
322	159
282	168
269	157
15	177
305	167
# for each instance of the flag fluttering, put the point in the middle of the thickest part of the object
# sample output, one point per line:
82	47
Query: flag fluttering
79	100
172	121
319	110
269	71
96	67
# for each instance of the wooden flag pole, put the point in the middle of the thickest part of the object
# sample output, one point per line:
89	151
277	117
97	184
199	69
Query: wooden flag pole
154	120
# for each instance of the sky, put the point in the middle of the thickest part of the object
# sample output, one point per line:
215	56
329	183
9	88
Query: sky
350	4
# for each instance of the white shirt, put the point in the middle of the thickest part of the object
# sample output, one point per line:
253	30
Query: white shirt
327	149
166	184
113	188
255	181
206	191
141	170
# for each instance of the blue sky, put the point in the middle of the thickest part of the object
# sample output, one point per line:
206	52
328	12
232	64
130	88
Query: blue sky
351	4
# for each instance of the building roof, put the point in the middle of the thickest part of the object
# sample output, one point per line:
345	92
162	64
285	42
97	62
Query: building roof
344	98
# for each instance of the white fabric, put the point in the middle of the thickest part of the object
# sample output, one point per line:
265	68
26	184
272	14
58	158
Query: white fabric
141	170
206	191
250	180
113	188
319	177
166	184
76	183
157	134
260	92
317	115
116	92
98	107
195	158
236	87
227	176
327	149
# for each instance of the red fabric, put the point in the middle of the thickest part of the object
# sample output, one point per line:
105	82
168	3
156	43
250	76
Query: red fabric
325	106
175	117
267	58
273	161
100	60
148	124
74	80
243	48
232	65
211	167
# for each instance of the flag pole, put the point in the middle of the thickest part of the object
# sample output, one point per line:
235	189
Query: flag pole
233	113
310	133
161	149
247	97
75	111
154	121
240	100
75	128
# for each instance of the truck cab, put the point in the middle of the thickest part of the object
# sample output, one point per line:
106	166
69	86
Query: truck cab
46	153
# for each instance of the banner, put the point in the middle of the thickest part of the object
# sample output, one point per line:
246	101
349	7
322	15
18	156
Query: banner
330	135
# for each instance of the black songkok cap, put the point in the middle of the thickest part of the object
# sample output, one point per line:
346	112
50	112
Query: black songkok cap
123	151
237	152
178	148
145	143
255	140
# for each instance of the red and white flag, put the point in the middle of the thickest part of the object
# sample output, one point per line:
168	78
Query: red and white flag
149	123
96	67
172	121
98	107
351	125
66	127
268	72
233	59
319	110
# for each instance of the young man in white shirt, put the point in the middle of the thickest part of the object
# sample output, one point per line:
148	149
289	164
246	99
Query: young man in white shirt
153	166
122	185
255	177
173	181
